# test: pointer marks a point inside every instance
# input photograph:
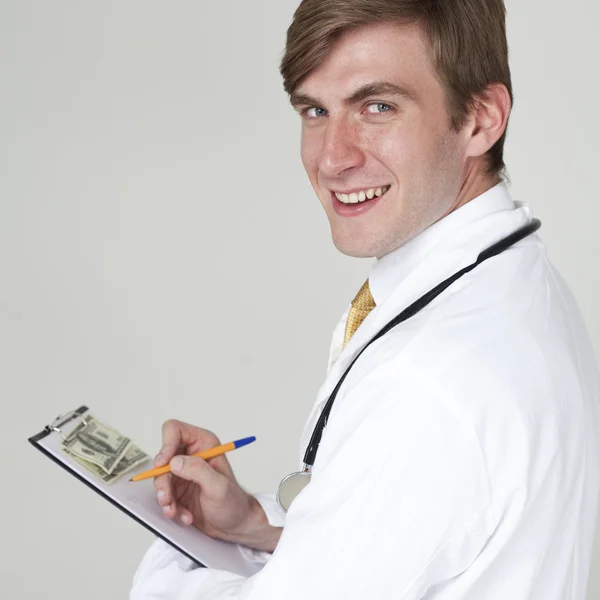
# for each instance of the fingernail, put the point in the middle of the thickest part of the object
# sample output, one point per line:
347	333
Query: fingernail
177	463
161	495
186	519
166	509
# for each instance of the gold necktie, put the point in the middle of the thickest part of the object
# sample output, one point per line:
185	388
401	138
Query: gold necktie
362	305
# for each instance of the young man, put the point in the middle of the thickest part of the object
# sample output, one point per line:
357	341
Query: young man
483	405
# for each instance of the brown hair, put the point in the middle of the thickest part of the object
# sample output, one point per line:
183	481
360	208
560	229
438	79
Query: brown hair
467	40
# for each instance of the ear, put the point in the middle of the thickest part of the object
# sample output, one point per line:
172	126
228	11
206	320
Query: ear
488	119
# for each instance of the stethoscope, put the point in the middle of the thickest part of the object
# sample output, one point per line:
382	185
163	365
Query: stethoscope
294	483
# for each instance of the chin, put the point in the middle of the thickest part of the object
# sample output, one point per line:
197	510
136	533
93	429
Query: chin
354	248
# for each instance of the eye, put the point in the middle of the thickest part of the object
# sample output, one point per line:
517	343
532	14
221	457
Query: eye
313	112
377	108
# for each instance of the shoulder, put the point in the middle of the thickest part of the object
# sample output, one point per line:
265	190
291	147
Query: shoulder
508	327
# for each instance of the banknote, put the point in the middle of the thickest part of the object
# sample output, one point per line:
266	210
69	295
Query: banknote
133	457
98	444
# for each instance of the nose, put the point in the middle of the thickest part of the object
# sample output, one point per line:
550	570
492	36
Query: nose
339	150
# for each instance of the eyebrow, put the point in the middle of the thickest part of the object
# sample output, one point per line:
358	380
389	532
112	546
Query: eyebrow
377	88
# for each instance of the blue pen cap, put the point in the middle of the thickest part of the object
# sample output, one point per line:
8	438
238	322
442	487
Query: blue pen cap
244	441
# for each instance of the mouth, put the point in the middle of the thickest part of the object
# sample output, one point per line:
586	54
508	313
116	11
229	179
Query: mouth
357	202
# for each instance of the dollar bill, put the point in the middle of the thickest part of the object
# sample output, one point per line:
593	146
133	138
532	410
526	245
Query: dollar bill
133	457
98	444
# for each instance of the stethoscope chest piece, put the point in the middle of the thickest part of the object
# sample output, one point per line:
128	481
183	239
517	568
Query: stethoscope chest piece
291	486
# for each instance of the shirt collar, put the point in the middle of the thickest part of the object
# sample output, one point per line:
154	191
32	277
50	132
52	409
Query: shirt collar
392	268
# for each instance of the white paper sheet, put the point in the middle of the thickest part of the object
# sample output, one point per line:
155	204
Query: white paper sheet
139	499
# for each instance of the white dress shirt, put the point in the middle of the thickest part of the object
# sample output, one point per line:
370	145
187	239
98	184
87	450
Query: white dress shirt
483	410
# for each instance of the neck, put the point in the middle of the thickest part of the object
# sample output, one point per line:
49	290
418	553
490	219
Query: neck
476	182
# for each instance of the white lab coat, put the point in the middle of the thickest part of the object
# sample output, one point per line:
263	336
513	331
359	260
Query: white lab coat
484	412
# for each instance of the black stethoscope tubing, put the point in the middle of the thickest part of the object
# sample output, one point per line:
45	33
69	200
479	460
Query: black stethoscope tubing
497	248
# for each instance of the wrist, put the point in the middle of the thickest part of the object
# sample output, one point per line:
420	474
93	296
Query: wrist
256	531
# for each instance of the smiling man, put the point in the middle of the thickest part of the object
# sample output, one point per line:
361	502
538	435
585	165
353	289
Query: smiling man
378	142
481	399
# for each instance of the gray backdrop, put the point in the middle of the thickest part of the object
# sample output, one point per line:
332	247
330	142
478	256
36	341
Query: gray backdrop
160	243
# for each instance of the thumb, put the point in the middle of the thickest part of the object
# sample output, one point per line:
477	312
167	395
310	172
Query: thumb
197	470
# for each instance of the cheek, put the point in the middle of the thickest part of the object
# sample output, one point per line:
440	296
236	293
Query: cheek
411	152
394	148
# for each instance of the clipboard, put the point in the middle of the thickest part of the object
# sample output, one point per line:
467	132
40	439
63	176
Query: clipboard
138	501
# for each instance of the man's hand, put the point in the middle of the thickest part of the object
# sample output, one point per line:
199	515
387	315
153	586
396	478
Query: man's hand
206	493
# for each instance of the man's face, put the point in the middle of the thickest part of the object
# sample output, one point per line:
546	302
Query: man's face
376	139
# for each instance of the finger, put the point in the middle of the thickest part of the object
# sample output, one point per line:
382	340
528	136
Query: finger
199	471
178	436
170	510
185	516
163	484
171	441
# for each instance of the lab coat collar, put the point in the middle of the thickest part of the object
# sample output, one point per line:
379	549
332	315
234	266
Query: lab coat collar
390	270
401	277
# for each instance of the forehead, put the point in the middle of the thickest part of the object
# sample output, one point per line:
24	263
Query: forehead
383	52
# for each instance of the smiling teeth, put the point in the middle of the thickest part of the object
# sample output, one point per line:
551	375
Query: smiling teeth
362	195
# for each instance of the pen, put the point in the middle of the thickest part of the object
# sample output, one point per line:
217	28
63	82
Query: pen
205	454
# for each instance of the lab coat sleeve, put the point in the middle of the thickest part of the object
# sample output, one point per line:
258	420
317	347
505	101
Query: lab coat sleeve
162	562
399	502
